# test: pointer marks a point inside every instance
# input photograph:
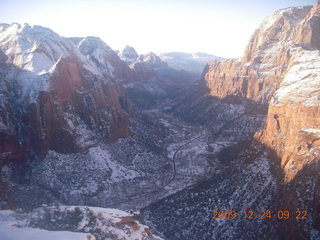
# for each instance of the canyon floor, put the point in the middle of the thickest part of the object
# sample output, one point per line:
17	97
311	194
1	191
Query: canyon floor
123	146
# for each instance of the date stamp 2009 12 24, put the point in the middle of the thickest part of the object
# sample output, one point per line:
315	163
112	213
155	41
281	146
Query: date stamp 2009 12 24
264	215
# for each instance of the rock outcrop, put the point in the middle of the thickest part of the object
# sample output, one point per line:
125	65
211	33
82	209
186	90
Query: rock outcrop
105	59
58	93
155	82
280	67
265	61
144	66
292	126
129	54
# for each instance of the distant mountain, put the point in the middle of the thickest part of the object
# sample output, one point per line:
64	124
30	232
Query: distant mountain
128	54
191	62
154	79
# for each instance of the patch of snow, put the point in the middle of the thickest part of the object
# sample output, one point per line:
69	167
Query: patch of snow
99	52
84	136
291	14
102	159
11	229
302	82
311	130
35	51
90	223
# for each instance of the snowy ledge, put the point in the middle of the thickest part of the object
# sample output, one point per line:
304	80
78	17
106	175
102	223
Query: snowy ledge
11	229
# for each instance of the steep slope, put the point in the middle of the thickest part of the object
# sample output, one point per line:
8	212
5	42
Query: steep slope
265	61
51	92
281	67
293	123
73	107
280	64
293	127
72	123
104	58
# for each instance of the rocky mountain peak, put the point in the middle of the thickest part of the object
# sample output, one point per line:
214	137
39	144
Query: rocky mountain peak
35	52
308	33
105	59
152	59
47	82
277	30
129	54
88	45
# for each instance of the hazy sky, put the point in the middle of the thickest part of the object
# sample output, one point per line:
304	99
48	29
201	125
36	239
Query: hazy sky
220	27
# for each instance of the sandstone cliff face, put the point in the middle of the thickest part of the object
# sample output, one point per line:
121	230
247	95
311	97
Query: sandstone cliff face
281	67
293	119
292	127
308	32
258	74
58	93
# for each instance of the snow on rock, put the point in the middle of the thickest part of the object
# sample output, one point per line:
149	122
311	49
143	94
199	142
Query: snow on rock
266	60
72	223
152	59
103	159
35	48
95	169
302	82
35	52
84	136
12	228
291	14
98	51
129	55
240	187
311	130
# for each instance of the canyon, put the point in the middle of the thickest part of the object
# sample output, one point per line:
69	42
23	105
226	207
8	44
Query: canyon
84	125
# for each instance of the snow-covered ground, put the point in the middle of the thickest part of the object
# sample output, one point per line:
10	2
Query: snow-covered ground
77	223
240	187
12	228
111	175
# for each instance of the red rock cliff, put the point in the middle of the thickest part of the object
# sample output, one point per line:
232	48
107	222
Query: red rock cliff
57	93
264	63
293	125
280	67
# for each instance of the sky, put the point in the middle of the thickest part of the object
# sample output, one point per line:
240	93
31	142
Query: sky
219	27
